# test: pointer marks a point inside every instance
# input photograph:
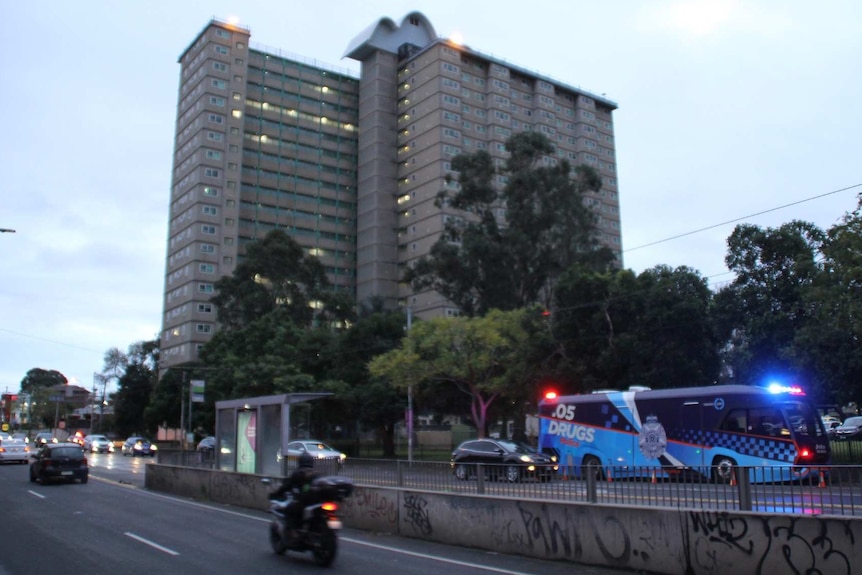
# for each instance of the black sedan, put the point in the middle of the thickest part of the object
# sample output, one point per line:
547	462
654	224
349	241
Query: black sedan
59	462
500	458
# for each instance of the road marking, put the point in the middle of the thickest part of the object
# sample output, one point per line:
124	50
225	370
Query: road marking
435	558
151	543
39	495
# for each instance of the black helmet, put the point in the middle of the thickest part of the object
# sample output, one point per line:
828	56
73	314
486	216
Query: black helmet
306	461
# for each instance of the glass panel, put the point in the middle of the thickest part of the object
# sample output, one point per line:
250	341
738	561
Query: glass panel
226	435
270	440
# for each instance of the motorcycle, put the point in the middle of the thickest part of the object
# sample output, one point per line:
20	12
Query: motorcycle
320	522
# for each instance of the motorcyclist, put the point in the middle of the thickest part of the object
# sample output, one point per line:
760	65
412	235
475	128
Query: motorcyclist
298	484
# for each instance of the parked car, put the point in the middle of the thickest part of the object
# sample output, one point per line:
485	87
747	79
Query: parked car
21	437
14	451
850	429
207	444
137	445
43	438
317	449
501	458
59	461
98	444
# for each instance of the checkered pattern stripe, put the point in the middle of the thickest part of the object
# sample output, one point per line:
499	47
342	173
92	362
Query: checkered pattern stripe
753	446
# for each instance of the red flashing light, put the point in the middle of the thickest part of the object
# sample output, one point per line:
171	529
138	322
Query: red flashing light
551	395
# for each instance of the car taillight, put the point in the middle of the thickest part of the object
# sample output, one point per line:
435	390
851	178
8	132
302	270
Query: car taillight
330	506
2	450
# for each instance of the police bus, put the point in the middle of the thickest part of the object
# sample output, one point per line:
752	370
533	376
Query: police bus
705	431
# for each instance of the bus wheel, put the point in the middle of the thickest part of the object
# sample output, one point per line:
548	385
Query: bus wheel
592	466
723	469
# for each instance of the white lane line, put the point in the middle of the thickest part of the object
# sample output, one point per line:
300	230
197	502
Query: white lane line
436	558
151	543
39	495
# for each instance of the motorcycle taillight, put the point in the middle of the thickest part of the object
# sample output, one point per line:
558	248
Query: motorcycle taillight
330	506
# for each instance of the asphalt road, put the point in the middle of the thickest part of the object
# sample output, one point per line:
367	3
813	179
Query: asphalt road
113	526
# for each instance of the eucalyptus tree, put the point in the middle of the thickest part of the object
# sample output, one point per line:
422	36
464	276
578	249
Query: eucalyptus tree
503	246
767	305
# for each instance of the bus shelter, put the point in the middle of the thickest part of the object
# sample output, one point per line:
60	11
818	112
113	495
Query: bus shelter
252	434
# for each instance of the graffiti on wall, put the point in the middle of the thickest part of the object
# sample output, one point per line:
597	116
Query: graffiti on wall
776	544
373	504
416	514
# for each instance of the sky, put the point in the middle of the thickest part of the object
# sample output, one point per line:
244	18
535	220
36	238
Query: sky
730	112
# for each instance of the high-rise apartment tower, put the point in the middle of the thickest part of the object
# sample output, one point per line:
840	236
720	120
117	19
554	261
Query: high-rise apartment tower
348	166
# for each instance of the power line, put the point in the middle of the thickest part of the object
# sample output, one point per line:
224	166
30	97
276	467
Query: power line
742	218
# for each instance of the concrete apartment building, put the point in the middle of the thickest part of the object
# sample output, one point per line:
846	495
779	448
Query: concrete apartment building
348	166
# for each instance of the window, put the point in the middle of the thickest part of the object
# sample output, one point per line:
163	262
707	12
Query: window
205	308
219	84
216	118
213	155
203	328
207	268
221	33
210	210
219	49
208	248
212	172
240	46
220	66
205	288
217	101
208	230
215	136
210	191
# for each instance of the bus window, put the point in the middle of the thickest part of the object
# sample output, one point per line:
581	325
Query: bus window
767	421
735	421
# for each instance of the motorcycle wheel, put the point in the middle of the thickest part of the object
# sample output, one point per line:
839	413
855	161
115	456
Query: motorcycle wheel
324	551
276	541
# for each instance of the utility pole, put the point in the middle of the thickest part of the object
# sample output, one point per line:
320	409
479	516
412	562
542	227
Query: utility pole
409	399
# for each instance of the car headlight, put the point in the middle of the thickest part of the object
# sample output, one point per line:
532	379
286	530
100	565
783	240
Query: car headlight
526	459
154	447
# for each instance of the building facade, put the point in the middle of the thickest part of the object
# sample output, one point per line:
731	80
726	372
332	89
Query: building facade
348	166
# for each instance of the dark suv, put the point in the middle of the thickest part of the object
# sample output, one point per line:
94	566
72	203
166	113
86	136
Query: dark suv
59	461
500	458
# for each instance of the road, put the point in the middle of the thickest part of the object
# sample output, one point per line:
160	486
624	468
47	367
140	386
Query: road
111	525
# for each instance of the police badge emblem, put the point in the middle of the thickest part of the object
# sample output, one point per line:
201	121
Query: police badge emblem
653	439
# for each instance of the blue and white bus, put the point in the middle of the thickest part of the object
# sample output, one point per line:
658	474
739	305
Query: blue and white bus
706	431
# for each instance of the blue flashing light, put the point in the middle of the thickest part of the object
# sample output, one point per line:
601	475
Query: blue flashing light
789	389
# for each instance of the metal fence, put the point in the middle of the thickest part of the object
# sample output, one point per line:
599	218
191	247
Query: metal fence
836	492
774	489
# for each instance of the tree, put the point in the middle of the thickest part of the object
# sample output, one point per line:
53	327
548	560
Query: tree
368	402
37	384
761	312
135	387
473	354
618	330
483	261
276	274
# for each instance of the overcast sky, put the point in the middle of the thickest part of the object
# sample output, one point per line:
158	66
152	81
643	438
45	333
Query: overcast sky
727	109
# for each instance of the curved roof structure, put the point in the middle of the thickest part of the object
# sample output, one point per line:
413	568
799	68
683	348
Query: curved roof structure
385	35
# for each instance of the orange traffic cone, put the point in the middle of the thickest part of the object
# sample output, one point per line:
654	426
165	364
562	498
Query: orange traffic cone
653	480
610	476
822	480
732	478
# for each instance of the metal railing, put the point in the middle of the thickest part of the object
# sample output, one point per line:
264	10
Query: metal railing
836	491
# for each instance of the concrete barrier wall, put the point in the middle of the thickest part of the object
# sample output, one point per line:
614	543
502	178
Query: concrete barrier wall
659	540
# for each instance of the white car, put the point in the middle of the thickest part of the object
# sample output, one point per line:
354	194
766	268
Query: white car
317	449
14	451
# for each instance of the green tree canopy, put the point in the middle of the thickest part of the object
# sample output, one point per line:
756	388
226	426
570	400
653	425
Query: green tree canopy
503	249
761	312
276	273
475	355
